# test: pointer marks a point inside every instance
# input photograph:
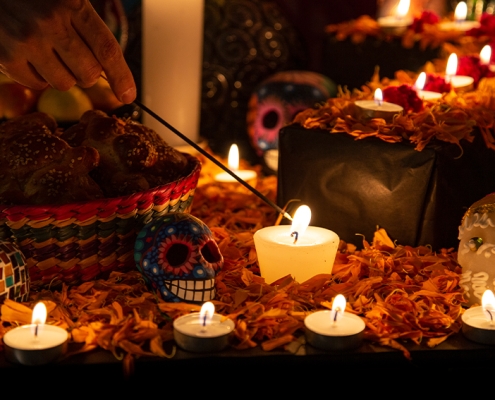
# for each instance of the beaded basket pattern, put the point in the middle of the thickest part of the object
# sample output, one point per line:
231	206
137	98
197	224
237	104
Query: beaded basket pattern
79	242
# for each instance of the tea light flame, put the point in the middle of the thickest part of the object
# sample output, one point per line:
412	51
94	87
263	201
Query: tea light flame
300	222
460	12
378	96
234	157
402	8
488	304
38	318
338	308
420	82
206	314
451	69
485	55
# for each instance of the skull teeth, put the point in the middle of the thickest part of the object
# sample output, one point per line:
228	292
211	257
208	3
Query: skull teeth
193	290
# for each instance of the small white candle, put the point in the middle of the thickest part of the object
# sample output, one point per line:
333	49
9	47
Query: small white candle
233	161
479	322
281	252
425	95
204	331
459	23
398	22
378	108
36	343
459	82
335	329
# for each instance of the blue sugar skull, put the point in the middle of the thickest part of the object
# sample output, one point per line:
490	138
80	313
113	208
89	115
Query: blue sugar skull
179	258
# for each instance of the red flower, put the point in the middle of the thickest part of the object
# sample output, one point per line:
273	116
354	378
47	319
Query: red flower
426	17
405	96
471	66
436	83
486	28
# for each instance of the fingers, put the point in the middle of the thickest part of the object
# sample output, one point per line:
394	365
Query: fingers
107	52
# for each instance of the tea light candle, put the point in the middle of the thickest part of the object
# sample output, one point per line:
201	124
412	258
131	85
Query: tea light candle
458	82
399	22
478	322
204	331
425	95
37	343
335	329
459	23
300	250
378	108
233	161
486	57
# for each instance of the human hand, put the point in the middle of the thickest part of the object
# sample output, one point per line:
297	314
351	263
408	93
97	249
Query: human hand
61	43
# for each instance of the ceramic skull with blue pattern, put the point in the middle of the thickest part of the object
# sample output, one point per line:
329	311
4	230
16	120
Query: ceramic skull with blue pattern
178	257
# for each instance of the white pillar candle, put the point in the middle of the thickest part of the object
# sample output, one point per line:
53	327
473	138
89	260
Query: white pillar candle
172	42
313	253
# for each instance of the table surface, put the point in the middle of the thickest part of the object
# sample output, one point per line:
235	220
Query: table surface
457	355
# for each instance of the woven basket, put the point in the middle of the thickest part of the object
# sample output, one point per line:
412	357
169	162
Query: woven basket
78	242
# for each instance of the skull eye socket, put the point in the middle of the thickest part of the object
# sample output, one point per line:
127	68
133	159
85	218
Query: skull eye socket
475	243
270	119
177	254
211	252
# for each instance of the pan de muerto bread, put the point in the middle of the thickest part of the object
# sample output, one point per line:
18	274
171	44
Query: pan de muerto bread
133	157
38	167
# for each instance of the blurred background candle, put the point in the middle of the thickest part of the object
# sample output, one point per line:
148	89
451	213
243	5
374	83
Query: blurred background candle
233	163
399	20
458	82
303	255
425	95
172	66
377	108
460	22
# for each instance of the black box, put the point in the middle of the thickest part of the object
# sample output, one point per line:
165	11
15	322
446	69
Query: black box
353	186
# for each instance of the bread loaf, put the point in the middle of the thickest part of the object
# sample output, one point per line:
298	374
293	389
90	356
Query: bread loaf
39	167
133	157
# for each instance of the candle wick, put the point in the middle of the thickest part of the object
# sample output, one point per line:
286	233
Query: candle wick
295	234
204	320
491	316
336	312
36	330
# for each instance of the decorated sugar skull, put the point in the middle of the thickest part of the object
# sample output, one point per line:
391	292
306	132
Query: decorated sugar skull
278	99
476	253
178	257
14	276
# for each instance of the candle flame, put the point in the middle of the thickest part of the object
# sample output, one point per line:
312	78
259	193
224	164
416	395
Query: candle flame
38	318
338	307
485	55
488	304
378	96
420	82
402	8
300	222
234	157
451	69
460	12
206	314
